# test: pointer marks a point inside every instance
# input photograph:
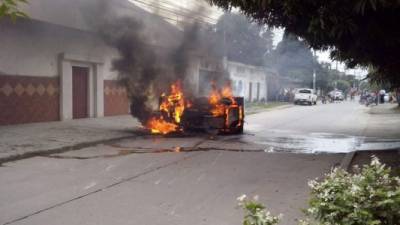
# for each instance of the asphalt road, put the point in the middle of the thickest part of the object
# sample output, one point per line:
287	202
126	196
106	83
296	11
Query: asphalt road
190	179
338	127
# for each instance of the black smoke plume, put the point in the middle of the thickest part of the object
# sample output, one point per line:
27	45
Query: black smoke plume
147	69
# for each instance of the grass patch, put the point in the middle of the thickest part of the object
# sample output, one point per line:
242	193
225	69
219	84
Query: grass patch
254	107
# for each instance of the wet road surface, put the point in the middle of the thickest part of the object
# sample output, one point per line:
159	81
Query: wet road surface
192	179
339	127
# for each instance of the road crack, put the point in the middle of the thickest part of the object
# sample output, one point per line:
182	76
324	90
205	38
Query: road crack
122	181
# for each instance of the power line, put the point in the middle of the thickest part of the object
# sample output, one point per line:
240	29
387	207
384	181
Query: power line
177	20
186	9
206	19
139	10
174	12
171	4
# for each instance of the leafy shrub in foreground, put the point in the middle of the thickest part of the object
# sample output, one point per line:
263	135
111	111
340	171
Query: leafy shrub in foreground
256	213
369	197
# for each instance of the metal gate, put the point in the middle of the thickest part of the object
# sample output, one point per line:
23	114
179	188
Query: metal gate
80	77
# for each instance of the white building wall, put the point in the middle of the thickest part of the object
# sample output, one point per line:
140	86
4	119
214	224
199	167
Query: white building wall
38	49
69	27
59	35
242	75
32	48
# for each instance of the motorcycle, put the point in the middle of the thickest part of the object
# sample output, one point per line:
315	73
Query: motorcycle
371	100
323	99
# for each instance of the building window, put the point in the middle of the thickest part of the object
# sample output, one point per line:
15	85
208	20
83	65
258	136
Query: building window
240	88
240	69
234	86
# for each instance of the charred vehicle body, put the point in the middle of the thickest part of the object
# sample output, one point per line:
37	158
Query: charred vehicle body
200	116
220	113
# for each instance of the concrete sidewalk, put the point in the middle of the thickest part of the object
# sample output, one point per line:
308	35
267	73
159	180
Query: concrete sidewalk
383	119
387	108
253	109
25	140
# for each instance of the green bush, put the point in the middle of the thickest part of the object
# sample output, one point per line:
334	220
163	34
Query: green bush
369	197
11	8
256	213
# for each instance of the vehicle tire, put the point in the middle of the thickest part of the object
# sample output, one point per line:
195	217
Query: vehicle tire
315	103
311	103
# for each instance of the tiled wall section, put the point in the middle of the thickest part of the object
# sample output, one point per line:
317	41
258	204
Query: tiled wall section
25	99
115	99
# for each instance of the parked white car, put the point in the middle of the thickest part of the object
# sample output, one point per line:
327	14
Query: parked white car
305	95
337	95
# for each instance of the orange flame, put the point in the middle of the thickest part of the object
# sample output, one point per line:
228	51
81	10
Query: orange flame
216	96
160	126
173	105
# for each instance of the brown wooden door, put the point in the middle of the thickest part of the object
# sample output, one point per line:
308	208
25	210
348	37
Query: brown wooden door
80	77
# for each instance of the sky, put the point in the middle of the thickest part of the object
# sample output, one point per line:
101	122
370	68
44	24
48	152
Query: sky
167	7
323	56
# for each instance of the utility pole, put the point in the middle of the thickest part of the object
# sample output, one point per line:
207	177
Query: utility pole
225	51
314	72
156	9
314	79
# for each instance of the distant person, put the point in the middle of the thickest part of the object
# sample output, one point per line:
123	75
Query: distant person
323	99
382	96
363	98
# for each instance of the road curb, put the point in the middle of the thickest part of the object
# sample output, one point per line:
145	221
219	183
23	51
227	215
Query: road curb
347	160
270	109
73	147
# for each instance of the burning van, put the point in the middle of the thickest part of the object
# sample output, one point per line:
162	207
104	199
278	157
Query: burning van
220	112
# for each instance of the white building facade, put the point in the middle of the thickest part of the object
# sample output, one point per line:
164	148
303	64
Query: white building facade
54	66
248	81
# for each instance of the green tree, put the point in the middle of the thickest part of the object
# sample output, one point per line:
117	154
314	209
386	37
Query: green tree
325	77
10	8
343	85
243	40
359	32
294	59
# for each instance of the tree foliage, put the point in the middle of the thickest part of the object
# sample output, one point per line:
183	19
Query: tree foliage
370	196
292	58
343	85
359	32
243	40
10	8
